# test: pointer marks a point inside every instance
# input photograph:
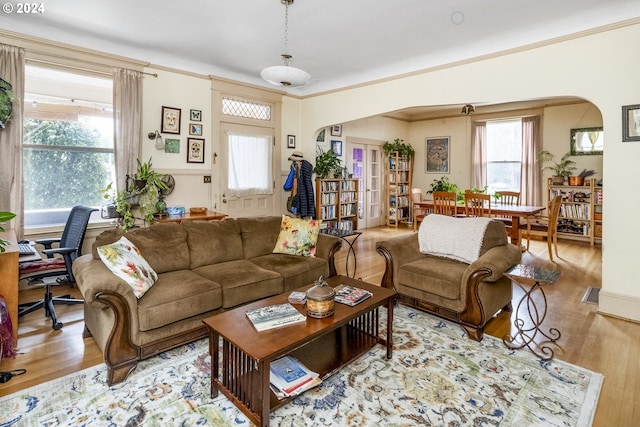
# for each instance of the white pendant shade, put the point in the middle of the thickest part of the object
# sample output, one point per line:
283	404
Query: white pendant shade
285	75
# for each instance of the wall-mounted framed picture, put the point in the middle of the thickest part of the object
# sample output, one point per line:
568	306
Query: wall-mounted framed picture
586	141
195	150
291	141
170	120
171	145
195	129
336	148
630	123
336	130
437	155
195	115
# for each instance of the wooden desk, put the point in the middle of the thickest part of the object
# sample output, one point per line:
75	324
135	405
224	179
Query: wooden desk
9	279
514	211
209	215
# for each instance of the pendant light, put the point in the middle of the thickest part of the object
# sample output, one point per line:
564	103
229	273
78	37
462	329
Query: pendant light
285	75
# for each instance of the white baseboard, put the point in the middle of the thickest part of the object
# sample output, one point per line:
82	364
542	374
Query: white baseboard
618	305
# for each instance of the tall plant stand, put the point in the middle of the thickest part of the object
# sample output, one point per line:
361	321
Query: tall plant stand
528	315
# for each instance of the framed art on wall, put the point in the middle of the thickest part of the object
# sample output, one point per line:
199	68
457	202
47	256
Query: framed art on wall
336	130
171	145
195	129
170	120
631	123
291	141
195	150
195	115
336	147
437	154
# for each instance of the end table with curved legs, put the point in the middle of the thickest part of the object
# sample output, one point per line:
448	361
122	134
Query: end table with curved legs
528	315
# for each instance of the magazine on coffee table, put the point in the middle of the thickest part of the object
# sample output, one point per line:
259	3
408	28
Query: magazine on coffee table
275	316
351	295
290	377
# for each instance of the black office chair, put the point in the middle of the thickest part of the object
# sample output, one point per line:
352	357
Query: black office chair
69	247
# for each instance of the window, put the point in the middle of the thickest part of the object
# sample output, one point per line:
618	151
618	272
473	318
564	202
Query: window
504	155
249	165
68	143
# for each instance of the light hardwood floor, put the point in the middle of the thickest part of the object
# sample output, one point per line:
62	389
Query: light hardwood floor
599	343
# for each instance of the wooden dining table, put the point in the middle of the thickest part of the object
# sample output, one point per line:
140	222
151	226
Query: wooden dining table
514	211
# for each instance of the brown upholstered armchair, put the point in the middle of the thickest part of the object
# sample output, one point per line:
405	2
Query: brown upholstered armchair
466	293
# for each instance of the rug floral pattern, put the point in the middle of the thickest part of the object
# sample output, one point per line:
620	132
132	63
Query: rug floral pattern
436	377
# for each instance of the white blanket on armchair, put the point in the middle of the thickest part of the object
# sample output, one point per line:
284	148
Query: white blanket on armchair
457	238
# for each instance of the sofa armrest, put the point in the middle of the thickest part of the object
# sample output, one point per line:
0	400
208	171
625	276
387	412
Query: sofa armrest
397	251
326	248
497	260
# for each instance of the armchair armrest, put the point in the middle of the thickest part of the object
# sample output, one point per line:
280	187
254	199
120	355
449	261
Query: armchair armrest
62	251
497	260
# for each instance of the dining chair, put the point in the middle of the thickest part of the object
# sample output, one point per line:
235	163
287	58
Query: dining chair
444	203
477	204
544	226
419	212
507	198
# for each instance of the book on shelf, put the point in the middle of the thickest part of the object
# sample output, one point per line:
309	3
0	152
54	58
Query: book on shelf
350	295
289	377
275	316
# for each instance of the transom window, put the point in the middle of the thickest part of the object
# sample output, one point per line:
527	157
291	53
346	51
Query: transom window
246	109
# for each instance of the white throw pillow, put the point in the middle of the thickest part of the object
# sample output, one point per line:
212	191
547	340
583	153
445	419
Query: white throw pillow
124	260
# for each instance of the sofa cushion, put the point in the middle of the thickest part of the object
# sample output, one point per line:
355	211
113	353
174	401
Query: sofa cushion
163	245
242	281
177	295
259	235
295	270
434	275
462	239
297	236
211	242
123	259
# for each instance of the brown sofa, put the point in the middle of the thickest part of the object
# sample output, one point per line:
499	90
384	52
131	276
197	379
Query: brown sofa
204	268
469	294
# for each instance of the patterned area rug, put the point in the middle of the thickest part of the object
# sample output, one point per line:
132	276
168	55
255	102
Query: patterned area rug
436	377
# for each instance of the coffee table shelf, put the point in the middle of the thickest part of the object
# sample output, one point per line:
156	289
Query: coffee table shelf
323	345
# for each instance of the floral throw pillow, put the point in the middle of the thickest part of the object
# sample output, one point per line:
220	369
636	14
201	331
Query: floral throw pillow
125	261
297	237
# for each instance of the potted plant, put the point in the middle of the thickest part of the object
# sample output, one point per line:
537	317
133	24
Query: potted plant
405	150
327	165
5	217
562	169
6	102
579	179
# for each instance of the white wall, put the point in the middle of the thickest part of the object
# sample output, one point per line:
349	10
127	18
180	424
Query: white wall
186	92
608	80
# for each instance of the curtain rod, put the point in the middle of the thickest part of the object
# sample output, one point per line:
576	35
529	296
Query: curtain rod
75	67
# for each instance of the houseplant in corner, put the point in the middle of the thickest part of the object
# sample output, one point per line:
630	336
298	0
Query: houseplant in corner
327	165
562	169
404	149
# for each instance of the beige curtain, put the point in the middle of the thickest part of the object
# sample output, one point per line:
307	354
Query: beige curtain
530	186
127	106
12	62
478	154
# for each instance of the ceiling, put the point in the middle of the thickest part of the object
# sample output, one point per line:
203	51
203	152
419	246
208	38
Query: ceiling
339	42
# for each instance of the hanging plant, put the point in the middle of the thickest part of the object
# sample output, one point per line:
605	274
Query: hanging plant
6	102
405	150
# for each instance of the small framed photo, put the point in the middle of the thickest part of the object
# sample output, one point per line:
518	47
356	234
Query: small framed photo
437	155
170	120
195	129
336	130
631	123
336	148
291	141
195	150
171	145
195	115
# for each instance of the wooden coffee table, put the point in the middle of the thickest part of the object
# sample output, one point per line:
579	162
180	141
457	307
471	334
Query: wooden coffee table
323	345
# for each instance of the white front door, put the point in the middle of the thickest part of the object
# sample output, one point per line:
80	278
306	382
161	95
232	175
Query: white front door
248	163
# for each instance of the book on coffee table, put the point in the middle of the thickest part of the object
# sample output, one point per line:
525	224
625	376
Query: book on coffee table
351	295
275	316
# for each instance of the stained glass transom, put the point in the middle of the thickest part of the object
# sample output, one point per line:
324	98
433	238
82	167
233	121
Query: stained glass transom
246	109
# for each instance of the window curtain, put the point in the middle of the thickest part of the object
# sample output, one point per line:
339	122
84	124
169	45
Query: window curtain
250	159
530	187
12	63
127	107
478	154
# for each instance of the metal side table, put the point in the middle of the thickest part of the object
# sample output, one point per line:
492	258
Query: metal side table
345	235
528	325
